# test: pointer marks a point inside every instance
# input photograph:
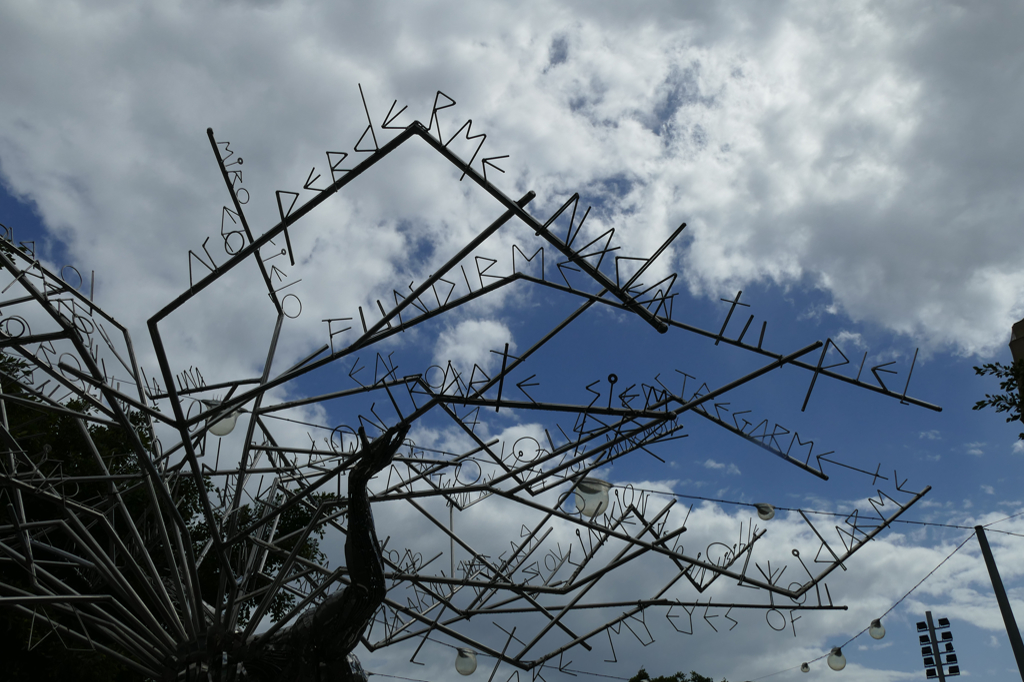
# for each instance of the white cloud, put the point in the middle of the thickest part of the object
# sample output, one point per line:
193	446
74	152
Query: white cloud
988	490
712	464
800	149
472	342
846	338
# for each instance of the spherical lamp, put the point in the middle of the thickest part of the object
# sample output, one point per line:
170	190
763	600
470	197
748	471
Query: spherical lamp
223	427
804	668
765	511
465	662
225	424
592	496
836	660
877	630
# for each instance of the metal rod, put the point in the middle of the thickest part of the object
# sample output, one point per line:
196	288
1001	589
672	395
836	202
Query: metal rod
1004	603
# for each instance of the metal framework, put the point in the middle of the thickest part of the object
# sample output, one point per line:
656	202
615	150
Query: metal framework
78	555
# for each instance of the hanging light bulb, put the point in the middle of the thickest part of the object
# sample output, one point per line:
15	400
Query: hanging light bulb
465	662
877	630
765	511
804	668
592	496
836	660
225	424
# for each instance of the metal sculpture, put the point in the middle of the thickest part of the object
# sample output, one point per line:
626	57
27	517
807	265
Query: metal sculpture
206	576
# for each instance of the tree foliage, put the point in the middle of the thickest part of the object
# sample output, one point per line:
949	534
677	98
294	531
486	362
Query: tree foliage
291	524
1011	379
643	676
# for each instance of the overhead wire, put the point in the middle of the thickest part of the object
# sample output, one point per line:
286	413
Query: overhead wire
887	612
829	513
543	665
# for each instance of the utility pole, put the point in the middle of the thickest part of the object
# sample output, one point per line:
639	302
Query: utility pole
1004	603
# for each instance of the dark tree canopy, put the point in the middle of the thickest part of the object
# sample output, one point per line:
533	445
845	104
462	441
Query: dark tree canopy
644	676
30	650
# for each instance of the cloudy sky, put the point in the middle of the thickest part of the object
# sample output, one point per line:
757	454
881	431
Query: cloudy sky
854	168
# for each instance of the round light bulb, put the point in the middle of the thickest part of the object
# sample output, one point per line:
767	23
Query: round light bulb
223	427
836	660
592	496
804	668
465	662
225	424
765	511
877	630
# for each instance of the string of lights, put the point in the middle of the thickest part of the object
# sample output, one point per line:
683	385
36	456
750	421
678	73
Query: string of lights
548	666
829	513
887	612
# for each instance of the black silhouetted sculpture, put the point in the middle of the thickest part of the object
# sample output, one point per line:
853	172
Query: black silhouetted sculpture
316	647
